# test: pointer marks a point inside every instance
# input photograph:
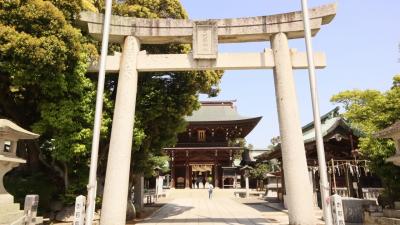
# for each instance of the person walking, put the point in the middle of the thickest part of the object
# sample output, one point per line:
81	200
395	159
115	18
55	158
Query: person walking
210	190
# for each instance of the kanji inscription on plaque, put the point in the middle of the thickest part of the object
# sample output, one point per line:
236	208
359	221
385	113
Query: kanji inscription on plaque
205	40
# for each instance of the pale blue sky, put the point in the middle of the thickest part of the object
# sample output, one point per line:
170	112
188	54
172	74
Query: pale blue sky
361	44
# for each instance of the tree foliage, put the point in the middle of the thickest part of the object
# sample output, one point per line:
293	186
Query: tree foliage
371	111
44	86
43	60
260	171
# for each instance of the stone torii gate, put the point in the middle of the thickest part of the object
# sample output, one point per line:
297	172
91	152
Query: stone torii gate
204	37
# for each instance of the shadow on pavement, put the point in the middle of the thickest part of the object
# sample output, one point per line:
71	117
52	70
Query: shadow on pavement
262	208
233	221
170	210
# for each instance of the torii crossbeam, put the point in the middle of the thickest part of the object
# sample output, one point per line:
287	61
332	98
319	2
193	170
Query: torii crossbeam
204	37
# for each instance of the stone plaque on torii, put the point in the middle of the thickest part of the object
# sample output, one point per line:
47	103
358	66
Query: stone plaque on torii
204	37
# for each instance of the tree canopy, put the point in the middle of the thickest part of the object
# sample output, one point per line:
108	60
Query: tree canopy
371	111
44	86
260	171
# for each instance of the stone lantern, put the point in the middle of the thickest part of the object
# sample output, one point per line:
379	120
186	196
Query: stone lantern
10	133
246	173
157	171
392	132
390	216
158	188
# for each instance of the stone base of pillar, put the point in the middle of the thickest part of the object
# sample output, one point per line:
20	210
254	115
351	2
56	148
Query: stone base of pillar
9	208
285	197
6	199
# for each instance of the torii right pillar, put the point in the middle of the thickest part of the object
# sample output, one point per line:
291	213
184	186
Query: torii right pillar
298	189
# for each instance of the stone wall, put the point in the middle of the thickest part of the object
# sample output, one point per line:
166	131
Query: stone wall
353	209
372	219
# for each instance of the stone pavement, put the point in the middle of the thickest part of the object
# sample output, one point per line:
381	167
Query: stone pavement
194	207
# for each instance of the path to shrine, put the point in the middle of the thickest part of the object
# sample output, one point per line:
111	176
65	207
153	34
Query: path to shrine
193	207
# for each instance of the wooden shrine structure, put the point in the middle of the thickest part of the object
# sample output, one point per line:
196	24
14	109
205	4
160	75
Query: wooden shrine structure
348	172
205	151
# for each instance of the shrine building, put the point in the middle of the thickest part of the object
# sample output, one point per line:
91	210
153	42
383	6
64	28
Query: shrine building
348	170
205	152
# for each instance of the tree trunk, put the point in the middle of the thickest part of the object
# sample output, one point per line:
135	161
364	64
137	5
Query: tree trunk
66	180
33	151
139	188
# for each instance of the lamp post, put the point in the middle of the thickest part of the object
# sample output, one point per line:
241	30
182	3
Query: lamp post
92	184
356	185
326	206
157	173
246	173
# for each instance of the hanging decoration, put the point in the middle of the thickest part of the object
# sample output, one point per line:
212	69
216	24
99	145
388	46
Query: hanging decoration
201	167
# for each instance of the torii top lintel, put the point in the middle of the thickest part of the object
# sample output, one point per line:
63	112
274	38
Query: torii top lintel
250	29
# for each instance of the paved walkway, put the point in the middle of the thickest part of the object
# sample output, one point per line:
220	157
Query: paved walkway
194	207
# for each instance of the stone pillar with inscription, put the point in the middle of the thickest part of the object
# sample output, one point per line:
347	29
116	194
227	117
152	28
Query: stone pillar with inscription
30	209
79	213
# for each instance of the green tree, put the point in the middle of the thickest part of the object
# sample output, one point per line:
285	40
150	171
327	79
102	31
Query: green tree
371	111
260	171
44	87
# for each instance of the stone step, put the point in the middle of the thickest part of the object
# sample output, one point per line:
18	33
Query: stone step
6	199
392	213
387	221
8	208
376	214
7	218
39	220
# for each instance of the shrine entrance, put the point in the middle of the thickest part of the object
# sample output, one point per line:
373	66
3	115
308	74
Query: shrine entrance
198	176
207	145
204	37
202	175
197	167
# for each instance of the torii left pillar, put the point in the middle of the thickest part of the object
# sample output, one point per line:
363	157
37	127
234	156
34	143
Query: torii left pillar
119	156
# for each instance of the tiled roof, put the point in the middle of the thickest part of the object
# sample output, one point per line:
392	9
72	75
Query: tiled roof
217	112
329	122
389	131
